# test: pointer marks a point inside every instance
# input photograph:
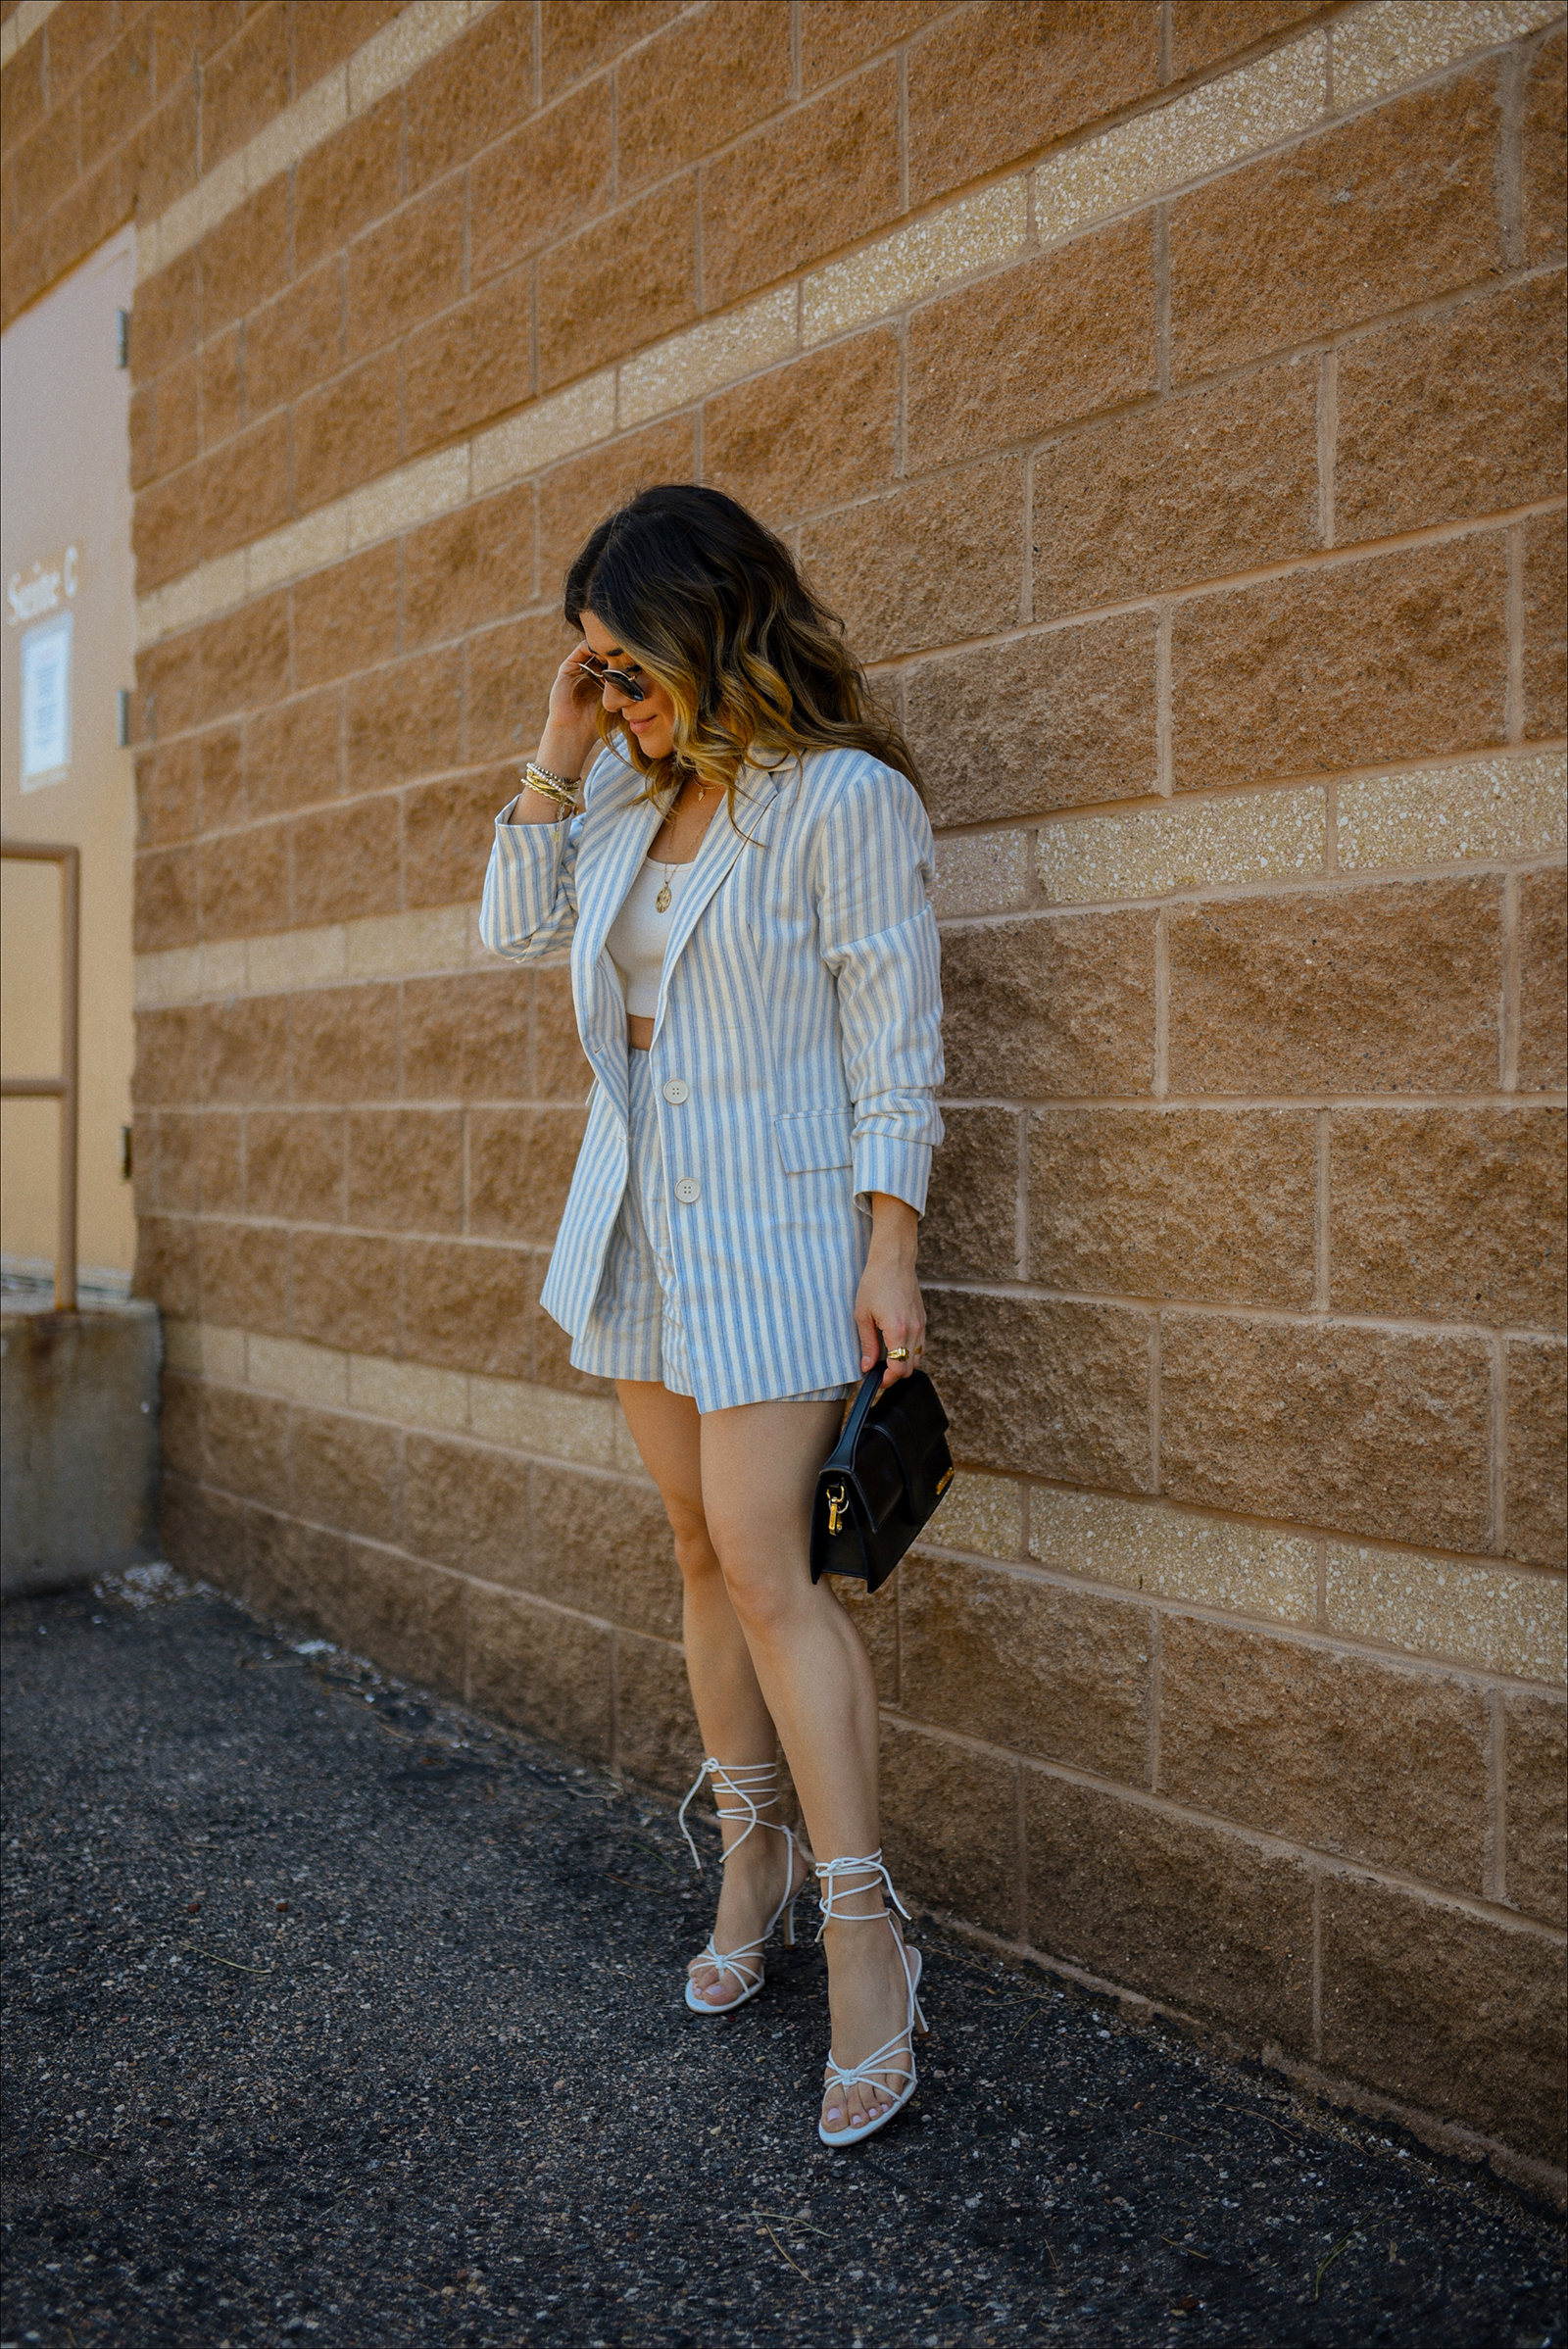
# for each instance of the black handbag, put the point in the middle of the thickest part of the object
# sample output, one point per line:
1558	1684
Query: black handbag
882	1480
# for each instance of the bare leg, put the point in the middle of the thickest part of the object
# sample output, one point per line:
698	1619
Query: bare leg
734	1719
758	1471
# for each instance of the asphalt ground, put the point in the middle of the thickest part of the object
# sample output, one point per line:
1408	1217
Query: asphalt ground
334	2012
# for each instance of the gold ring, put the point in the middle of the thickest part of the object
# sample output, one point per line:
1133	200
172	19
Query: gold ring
898	1353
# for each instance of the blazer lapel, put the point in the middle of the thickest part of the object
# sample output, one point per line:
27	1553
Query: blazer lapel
615	835
722	843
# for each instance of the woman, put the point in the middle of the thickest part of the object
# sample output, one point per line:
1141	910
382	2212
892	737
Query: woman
754	971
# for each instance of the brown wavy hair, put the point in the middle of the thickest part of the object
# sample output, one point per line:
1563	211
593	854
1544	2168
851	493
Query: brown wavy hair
715	609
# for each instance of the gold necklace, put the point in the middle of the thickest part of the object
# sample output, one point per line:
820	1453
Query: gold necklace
662	899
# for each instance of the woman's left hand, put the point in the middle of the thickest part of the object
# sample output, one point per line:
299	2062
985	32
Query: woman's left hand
889	1309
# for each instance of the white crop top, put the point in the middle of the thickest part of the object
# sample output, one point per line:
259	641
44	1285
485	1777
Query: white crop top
639	933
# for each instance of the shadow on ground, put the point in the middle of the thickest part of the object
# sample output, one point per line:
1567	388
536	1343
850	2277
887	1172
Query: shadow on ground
337	2012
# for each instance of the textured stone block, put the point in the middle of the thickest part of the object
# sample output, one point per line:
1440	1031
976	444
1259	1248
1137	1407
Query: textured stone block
949	1827
1384	213
510	670
1542	949
1389	989
347	865
467	1507
1450	1214
540	184
469	1037
1399	657
1173	1553
658	1741
295	340
602	1548
519	1165
970	1230
1454	2014
346	1473
405	1169
1025	1664
167	313
1341	1753
1536	1750
471	363
404	723
447	831
1055	720
1202	31
1475	812
469	1306
346	617
576	36
1205	844
1050	1390
618	284
982	1514
167	1058
823	430
350	180
244	663
1185	1203
298	1574
244	1050
1184	1913
294	1166
166	903
204	1533
243	878
1368	1430
547	1672
1536	1509
1544	194
245	1443
738	58
1059	1006
413	1620
221	372
1450	416
924	566
405	269
244	1275
1481	1615
1037	347
245	258
824	174
223	798
245	82
346	1291
468	568
166	1263
1129	507
344	1044
292	754
1008	77
980	872
468	93
1546	664
347	430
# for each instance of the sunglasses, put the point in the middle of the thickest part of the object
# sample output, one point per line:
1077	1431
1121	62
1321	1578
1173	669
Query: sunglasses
625	683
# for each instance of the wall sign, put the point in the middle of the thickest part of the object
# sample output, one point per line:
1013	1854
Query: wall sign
46	702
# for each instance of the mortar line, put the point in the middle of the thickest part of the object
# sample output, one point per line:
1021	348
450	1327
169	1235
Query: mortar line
1497	1863
1321	1205
1510	1009
1499	1431
1328	433
1514	690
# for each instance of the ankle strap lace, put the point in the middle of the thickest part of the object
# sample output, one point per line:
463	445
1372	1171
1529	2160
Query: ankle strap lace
829	1871
754	1786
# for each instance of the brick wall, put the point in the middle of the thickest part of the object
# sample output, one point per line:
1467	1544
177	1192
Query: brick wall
1169	392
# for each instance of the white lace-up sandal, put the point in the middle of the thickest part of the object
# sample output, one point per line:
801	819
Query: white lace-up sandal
752	1785
898	2056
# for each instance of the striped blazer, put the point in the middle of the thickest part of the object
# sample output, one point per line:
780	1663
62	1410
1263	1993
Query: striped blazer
797	1029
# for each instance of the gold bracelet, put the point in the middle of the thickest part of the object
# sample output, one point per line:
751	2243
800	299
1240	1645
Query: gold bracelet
566	782
535	779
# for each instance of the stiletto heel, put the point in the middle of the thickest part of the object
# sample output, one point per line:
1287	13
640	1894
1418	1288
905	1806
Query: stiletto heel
898	2056
754	1786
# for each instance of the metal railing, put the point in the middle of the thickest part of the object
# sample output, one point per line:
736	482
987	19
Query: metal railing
63	1087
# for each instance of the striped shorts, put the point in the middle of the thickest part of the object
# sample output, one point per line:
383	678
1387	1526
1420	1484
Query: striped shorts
634	1329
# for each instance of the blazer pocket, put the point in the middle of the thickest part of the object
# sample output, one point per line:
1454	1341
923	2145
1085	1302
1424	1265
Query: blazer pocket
811	1141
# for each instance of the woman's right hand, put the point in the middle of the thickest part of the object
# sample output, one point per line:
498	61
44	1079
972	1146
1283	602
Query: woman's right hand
570	729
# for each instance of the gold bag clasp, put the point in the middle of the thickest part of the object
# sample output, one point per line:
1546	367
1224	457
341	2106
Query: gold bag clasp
838	1507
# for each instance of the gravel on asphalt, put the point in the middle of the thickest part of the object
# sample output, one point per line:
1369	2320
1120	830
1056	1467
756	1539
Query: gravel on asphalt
335	2011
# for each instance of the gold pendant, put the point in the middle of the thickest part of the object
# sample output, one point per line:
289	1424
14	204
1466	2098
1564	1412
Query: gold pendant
662	899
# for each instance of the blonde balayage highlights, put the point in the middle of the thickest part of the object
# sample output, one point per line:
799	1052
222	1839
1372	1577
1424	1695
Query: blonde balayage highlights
713	606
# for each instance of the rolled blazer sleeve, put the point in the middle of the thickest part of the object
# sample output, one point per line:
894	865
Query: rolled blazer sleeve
879	940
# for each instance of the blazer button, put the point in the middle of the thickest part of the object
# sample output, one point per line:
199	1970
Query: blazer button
688	1191
676	1089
